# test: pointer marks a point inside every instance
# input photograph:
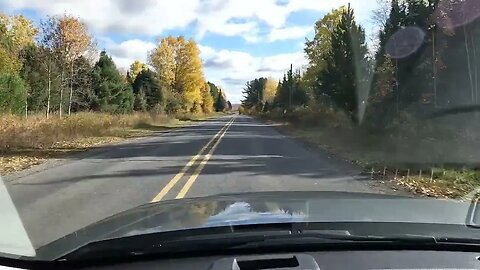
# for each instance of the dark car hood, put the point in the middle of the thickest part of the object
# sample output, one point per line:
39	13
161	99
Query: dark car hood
260	208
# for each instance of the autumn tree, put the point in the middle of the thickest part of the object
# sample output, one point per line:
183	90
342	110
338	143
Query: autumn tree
207	99
16	33
163	59
19	30
72	40
270	90
136	68
317	48
178	64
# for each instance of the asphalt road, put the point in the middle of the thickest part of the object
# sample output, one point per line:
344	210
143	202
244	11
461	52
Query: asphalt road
240	154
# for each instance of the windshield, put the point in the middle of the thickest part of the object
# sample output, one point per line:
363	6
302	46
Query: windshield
126	118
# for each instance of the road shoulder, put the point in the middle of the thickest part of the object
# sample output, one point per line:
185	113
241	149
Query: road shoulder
377	180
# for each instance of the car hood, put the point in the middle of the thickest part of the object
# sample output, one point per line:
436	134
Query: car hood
262	208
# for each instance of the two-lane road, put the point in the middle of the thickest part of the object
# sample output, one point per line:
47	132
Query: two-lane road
231	154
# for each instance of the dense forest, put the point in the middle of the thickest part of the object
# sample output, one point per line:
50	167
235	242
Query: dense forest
55	68
424	60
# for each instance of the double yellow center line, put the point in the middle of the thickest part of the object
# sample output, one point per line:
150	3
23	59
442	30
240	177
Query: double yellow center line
210	146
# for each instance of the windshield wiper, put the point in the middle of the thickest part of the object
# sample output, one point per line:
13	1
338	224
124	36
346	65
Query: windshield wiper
157	244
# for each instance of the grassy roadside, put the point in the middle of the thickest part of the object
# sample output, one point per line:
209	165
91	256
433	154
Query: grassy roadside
414	164
28	142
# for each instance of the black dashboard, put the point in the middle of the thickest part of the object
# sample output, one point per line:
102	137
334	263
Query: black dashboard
325	260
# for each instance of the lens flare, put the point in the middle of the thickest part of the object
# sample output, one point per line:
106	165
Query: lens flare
450	14
405	42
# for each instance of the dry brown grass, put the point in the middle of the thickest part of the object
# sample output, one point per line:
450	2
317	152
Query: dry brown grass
28	142
408	160
37	132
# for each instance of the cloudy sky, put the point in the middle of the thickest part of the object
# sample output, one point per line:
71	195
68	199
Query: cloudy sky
239	39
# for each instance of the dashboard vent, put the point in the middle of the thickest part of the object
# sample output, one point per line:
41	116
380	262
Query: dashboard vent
267	262
273	263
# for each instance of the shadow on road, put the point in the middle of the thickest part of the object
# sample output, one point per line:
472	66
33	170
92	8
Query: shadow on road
249	148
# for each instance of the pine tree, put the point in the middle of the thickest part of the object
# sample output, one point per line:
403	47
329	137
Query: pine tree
220	103
114	95
147	83
345	62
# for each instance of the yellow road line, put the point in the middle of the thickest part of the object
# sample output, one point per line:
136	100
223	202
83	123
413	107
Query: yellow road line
199	169
182	172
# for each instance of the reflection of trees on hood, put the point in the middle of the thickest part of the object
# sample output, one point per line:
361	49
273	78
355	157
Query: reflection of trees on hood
197	214
270	206
192	215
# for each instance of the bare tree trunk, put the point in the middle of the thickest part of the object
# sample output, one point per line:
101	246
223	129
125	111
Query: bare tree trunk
475	68
469	65
397	87
26	107
61	94
71	90
434	67
49	89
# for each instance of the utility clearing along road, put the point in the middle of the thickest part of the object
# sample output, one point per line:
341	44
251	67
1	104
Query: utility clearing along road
230	154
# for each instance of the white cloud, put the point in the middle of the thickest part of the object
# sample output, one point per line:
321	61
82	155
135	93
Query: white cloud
294	32
147	17
232	69
152	18
253	20
126	52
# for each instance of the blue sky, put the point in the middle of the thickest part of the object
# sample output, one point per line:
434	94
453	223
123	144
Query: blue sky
239	39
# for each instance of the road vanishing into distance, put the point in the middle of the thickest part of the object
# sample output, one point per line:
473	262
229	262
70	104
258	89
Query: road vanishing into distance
230	154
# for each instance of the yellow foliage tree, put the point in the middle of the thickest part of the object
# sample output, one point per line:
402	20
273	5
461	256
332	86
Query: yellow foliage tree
207	99
317	48
20	30
270	90
162	58
72	40
178	64
16	33
135	68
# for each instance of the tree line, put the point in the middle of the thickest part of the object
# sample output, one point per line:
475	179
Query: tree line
425	58
56	68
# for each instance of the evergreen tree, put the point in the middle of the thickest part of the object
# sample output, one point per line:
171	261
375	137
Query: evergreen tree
147	83
291	91
214	90
345	62
114	95
220	103
13	93
254	93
